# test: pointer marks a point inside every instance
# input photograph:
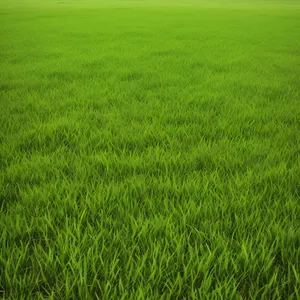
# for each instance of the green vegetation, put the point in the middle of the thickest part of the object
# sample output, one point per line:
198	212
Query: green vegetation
149	150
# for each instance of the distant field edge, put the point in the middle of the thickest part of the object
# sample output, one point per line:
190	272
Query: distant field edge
80	4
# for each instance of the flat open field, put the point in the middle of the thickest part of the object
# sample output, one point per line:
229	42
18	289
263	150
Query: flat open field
149	150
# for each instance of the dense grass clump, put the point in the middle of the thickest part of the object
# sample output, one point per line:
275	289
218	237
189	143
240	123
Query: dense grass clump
150	150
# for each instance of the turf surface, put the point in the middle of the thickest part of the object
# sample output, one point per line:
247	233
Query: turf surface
150	150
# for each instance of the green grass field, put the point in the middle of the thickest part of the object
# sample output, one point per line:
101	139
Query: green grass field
149	149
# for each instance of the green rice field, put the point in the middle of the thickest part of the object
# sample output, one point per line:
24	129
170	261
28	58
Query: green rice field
149	149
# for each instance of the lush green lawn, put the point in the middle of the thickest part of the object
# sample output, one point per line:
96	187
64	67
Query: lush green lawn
150	150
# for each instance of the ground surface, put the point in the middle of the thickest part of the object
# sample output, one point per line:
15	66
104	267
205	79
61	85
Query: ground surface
150	150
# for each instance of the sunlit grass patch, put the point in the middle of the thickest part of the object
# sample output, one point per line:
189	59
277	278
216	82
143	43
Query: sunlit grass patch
149	150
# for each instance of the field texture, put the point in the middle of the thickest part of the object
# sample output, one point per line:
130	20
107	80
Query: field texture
150	150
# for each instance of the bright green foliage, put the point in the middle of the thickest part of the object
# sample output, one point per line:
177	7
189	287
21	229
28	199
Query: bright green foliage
150	150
